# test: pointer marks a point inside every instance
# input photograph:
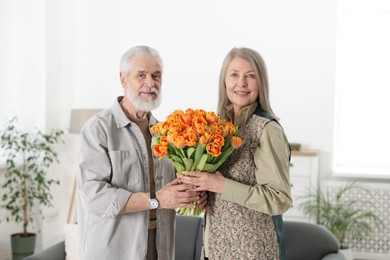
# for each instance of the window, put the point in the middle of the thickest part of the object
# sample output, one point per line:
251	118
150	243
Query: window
362	126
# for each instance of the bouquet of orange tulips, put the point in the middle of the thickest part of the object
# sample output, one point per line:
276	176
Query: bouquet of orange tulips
194	140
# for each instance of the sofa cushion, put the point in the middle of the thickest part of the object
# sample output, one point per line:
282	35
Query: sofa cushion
189	236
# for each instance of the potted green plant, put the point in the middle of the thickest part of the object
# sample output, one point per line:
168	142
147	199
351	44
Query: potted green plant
26	185
339	213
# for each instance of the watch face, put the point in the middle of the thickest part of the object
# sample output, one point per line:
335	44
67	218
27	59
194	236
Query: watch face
153	204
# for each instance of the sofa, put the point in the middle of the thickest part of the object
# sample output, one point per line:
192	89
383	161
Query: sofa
188	244
303	241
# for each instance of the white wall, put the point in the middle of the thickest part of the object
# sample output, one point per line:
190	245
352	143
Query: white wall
22	61
85	39
296	38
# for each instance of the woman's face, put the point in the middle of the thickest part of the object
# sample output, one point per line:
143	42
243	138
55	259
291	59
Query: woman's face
241	84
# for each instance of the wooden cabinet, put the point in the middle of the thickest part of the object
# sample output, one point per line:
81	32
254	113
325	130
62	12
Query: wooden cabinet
303	176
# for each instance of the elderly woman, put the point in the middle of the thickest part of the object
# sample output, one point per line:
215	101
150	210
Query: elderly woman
251	190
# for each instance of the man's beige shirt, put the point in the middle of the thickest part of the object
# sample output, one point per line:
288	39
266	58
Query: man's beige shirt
115	164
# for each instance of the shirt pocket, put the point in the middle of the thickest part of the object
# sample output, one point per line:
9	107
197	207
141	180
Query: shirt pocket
126	170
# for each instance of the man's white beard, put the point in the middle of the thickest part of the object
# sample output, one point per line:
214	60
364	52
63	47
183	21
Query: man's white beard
138	103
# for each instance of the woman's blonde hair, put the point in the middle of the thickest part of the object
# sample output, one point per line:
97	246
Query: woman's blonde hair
258	64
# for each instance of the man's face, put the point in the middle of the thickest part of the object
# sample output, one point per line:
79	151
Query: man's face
143	82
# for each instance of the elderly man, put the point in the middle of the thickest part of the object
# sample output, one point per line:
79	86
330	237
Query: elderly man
126	195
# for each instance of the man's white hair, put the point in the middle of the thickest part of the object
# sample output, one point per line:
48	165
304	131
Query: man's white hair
125	64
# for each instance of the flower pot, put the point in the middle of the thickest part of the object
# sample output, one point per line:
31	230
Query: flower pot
22	246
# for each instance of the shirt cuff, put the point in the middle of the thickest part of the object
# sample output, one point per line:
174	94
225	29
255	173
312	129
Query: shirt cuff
117	204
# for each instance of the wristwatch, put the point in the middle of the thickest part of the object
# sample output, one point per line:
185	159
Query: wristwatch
153	202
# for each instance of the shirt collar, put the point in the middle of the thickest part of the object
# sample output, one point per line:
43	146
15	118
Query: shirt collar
244	115
120	117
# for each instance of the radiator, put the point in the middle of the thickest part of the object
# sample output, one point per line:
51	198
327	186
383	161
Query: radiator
376	199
